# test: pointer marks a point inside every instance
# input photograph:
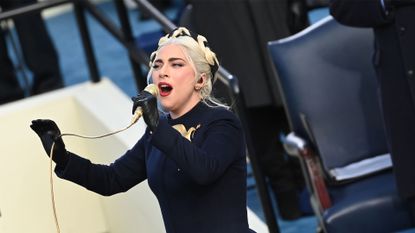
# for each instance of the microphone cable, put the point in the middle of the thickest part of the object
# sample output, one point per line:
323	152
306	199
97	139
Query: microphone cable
151	89
52	191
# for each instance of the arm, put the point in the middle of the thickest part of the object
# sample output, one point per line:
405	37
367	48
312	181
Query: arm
207	161
358	13
120	176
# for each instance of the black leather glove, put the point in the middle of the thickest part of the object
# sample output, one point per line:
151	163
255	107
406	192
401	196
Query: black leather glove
48	132
148	104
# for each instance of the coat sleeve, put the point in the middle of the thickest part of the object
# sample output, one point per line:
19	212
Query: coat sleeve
208	161
358	13
119	176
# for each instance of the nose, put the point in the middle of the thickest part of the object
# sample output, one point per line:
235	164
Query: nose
163	72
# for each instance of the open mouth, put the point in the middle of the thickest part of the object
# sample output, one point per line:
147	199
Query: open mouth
165	89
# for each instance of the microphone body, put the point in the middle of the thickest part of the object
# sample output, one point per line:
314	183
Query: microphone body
153	90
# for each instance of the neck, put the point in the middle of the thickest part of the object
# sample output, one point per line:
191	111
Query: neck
177	114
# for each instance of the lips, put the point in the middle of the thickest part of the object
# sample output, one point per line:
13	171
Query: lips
164	89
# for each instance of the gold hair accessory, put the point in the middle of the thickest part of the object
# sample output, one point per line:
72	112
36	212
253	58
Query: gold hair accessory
210	56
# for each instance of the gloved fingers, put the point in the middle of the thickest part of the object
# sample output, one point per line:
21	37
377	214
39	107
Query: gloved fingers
34	126
54	130
143	96
140	100
42	127
38	127
49	125
135	104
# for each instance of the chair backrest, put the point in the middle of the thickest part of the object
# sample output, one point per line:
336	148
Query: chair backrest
329	90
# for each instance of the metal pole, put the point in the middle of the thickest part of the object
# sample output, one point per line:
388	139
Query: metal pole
31	8
141	81
156	14
137	54
86	41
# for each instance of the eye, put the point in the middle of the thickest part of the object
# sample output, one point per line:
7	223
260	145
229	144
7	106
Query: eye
177	64
156	66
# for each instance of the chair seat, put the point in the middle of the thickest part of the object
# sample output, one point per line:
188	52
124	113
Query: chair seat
371	200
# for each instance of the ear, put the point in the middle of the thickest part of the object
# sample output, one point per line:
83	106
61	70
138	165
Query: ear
200	82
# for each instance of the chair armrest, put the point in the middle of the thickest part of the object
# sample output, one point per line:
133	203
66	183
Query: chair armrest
293	144
298	147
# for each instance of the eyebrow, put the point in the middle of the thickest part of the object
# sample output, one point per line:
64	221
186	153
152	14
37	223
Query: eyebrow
170	59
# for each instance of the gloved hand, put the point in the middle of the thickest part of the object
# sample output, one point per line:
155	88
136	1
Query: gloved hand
148	104
49	132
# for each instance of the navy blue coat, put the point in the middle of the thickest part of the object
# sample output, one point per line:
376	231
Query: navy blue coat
200	184
394	61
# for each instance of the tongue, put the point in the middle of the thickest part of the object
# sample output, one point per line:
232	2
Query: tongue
165	91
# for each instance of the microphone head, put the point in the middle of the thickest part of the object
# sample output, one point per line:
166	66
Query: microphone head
152	89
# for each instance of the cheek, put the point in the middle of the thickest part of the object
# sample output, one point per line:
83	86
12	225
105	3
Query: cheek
154	77
188	84
189	78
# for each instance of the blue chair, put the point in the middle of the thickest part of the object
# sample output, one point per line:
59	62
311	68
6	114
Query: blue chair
329	89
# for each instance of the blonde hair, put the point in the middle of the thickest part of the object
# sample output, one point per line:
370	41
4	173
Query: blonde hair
202	59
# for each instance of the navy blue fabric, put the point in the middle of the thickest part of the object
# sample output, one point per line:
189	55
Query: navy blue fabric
200	185
327	76
370	205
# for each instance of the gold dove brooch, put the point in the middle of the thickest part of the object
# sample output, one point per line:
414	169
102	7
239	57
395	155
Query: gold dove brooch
188	134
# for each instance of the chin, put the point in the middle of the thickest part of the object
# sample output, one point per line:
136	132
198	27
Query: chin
165	108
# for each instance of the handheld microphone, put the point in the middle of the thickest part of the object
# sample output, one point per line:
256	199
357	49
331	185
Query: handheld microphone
153	90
